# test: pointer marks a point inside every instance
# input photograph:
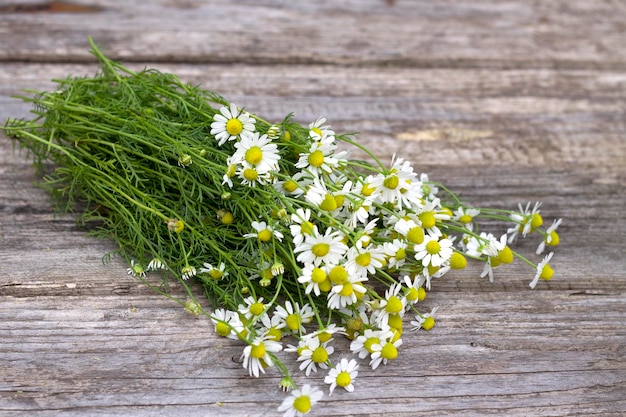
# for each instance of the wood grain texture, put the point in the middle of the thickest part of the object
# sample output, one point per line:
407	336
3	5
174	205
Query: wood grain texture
504	102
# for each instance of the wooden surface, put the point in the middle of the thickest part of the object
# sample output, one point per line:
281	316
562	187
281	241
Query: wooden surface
503	101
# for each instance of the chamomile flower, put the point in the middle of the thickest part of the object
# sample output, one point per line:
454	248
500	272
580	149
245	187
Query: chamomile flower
410	230
253	307
433	251
156	264
215	272
315	356
136	269
258	152
300	401
386	350
250	176
365	260
302	225
393	303
465	215
188	272
362	344
342	375
347	287
317	249
544	271
318	130
272	326
396	252
320	158
295	317
527	219
227	323
231	123
551	237
430	214
414	291
263	232
256	355
315	278
424	321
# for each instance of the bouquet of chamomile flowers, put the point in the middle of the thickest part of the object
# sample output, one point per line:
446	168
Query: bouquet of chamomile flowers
295	243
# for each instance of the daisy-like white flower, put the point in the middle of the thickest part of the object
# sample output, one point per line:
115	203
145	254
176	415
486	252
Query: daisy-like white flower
294	186
551	237
399	186
251	177
318	130
188	272
294	316
410	230
319	194
465	215
272	326
326	334
231	123
396	253
252	307
156	264
393	304
429	214
227	323
315	278
433	251
544	271
320	158
342	375
424	321
315	356
527	219
302	225
256	356
263	232
317	249
347	287
136	269
300	401
386	350
414	291
258	152
362	344
215	272
365	260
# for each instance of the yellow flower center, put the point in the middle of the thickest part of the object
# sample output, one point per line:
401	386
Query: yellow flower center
428	219
389	351
290	186
338	275
429	323
415	235
302	404
274	334
307	228
293	321
465	219
391	182
364	259
546	273
457	261
505	255
234	127
250	174
394	305
367	190
257	308
319	355
395	321
371	342
320	249
325	285
413	294
318	275
400	254
215	273
536	221
254	155
222	329
433	247
554	239
339	200
347	290
343	379
316	159
324	337
421	294
258	351
264	235
329	203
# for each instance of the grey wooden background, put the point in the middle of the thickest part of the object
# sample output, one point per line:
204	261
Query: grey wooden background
503	101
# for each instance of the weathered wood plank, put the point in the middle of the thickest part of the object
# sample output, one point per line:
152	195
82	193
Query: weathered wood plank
471	33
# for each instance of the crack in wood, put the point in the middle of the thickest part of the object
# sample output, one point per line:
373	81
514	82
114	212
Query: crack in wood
49	7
